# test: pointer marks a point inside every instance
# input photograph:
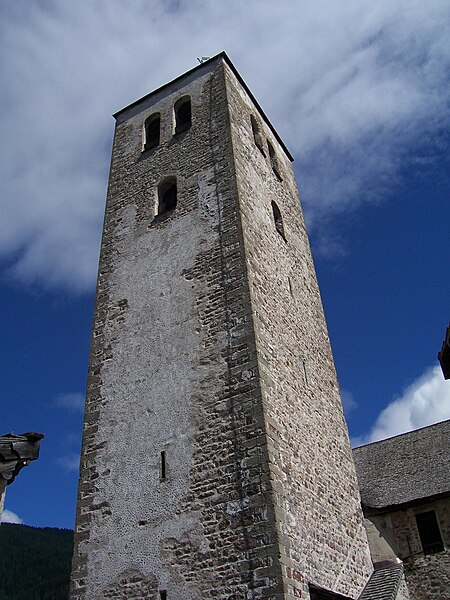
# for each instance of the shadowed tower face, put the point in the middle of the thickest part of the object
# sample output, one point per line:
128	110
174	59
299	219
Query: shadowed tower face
216	461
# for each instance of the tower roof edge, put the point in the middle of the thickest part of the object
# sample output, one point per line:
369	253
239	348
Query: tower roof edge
221	56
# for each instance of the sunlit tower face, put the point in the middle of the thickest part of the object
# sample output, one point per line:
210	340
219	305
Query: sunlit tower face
214	442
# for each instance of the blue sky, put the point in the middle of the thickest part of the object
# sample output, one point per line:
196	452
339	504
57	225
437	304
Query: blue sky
360	95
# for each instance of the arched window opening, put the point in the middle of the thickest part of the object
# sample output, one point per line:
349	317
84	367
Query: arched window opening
152	131
167	195
278	220
257	135
183	114
274	161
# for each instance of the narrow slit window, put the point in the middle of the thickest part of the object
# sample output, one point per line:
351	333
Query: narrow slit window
152	131
183	114
257	135
305	372
291	290
274	161
162	465
167	196
278	219
429	533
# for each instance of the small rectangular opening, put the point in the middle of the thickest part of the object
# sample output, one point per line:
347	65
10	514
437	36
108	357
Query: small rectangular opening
162	467
305	372
291	291
162	595
429	532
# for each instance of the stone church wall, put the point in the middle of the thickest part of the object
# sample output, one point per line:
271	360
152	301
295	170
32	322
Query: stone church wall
209	344
173	369
319	521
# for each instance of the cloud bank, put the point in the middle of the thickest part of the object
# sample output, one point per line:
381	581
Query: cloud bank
424	402
69	462
356	89
9	517
72	401
349	404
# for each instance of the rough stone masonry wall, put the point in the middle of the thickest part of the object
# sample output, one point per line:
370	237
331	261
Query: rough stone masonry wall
173	369
317	507
427	576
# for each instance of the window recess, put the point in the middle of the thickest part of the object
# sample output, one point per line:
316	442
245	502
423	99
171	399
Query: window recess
162	466
183	114
278	220
274	161
167	196
152	129
257	137
429	532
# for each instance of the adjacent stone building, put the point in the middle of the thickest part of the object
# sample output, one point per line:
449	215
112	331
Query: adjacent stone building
405	492
216	462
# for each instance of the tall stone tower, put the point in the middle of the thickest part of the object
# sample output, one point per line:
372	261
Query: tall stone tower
216	462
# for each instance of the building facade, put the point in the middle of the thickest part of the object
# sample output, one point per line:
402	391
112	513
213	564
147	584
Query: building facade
216	461
405	493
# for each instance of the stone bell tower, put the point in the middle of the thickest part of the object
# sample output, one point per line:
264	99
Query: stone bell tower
216	462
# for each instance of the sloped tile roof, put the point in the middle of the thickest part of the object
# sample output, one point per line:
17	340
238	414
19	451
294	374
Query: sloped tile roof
383	584
405	468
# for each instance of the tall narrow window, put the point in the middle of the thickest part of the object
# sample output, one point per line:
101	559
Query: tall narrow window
167	195
274	161
291	289
257	135
152	131
305	372
162	595
430	535
162	465
278	220
183	114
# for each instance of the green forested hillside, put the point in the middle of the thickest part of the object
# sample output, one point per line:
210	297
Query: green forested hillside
34	562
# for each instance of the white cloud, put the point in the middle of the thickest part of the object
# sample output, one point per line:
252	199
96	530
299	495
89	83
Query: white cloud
424	402
73	401
70	462
9	517
349	404
359	86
